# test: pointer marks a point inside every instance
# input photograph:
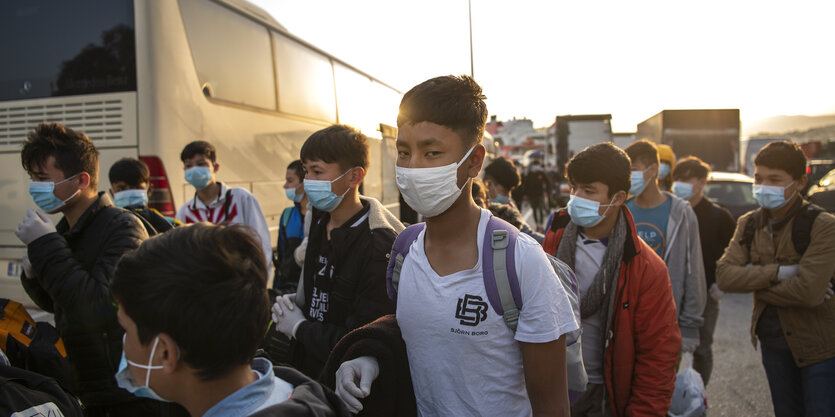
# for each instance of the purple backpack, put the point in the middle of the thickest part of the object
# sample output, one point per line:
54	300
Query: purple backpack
502	286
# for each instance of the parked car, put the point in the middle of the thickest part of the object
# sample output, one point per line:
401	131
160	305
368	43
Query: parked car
732	191
823	193
816	169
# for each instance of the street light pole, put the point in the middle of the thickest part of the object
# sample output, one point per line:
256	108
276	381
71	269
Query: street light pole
470	10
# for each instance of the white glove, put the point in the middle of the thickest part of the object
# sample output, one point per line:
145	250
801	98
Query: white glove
830	291
27	266
785	272
689	345
716	293
354	379
34	225
286	316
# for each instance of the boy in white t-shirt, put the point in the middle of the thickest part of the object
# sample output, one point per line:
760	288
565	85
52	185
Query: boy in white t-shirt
463	358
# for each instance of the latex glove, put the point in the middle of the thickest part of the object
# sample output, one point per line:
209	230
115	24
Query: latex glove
689	345
716	293
354	379
286	315
830	291
785	272
34	225
27	266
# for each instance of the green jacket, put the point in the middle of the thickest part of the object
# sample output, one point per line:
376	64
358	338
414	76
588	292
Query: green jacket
807	318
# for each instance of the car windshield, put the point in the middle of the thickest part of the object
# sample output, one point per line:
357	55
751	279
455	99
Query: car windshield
729	193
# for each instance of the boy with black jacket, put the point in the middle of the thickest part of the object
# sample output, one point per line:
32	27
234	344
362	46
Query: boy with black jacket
194	306
130	185
68	266
343	278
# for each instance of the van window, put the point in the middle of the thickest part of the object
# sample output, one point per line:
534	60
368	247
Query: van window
305	80
231	54
60	48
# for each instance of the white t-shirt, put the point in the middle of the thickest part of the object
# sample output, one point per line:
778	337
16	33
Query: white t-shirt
588	257
463	358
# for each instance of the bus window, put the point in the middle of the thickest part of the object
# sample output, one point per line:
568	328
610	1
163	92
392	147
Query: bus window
305	81
356	100
231	54
59	48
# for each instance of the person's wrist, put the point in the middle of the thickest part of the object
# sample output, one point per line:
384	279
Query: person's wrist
296	327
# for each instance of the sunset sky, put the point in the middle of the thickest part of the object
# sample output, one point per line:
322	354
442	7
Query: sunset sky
539	59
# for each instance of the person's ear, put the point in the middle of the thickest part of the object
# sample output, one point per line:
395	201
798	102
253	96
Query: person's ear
357	175
801	183
167	354
475	161
619	198
149	188
83	180
216	166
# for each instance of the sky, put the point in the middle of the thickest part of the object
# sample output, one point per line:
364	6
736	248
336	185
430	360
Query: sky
630	59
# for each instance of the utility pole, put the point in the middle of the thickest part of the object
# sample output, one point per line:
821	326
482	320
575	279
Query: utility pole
470	9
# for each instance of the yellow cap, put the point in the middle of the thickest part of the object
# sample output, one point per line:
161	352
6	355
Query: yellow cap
665	154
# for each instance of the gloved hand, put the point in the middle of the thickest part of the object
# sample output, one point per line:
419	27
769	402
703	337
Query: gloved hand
785	272
689	345
716	293
27	266
830	291
34	225
286	315
354	379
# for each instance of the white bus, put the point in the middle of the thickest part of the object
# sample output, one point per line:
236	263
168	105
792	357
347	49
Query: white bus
143	78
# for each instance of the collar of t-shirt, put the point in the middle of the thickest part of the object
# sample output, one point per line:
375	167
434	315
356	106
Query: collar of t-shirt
198	204
265	391
354	221
588	241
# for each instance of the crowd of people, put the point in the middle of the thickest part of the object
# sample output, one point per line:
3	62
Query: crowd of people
472	312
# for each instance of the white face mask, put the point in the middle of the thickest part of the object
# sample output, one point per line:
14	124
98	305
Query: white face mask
430	191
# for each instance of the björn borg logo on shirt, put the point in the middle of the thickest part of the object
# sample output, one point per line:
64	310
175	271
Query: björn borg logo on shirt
471	309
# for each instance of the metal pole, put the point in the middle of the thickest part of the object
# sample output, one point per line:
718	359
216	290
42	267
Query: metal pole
470	9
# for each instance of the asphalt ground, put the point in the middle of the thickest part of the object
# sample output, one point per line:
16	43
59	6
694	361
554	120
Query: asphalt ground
738	386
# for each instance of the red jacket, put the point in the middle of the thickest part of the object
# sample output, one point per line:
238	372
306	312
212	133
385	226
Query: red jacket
644	341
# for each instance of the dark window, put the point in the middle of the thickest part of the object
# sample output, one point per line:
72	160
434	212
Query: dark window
59	48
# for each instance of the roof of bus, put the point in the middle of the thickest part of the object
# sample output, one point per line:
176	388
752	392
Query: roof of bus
262	16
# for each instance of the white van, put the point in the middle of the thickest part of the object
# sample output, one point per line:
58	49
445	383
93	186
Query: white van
144	78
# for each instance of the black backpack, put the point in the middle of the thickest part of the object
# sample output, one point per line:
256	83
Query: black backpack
25	393
801	228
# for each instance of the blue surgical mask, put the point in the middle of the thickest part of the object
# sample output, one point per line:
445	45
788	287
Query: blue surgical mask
663	171
585	212
772	197
126	382
321	196
199	177
638	183
43	193
500	199
292	195
130	198
683	190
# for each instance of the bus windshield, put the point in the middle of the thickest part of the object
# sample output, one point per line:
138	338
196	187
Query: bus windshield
60	48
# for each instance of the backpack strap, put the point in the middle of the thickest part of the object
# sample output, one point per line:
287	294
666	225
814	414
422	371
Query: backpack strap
401	247
499	270
802	226
748	232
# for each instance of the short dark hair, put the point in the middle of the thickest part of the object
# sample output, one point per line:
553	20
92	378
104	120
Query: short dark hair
199	147
785	155
453	102
298	168
337	143
479	191
602	162
503	172
643	151
203	285
74	152
131	171
690	167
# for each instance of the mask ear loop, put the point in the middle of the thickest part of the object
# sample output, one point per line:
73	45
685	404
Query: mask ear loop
337	179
